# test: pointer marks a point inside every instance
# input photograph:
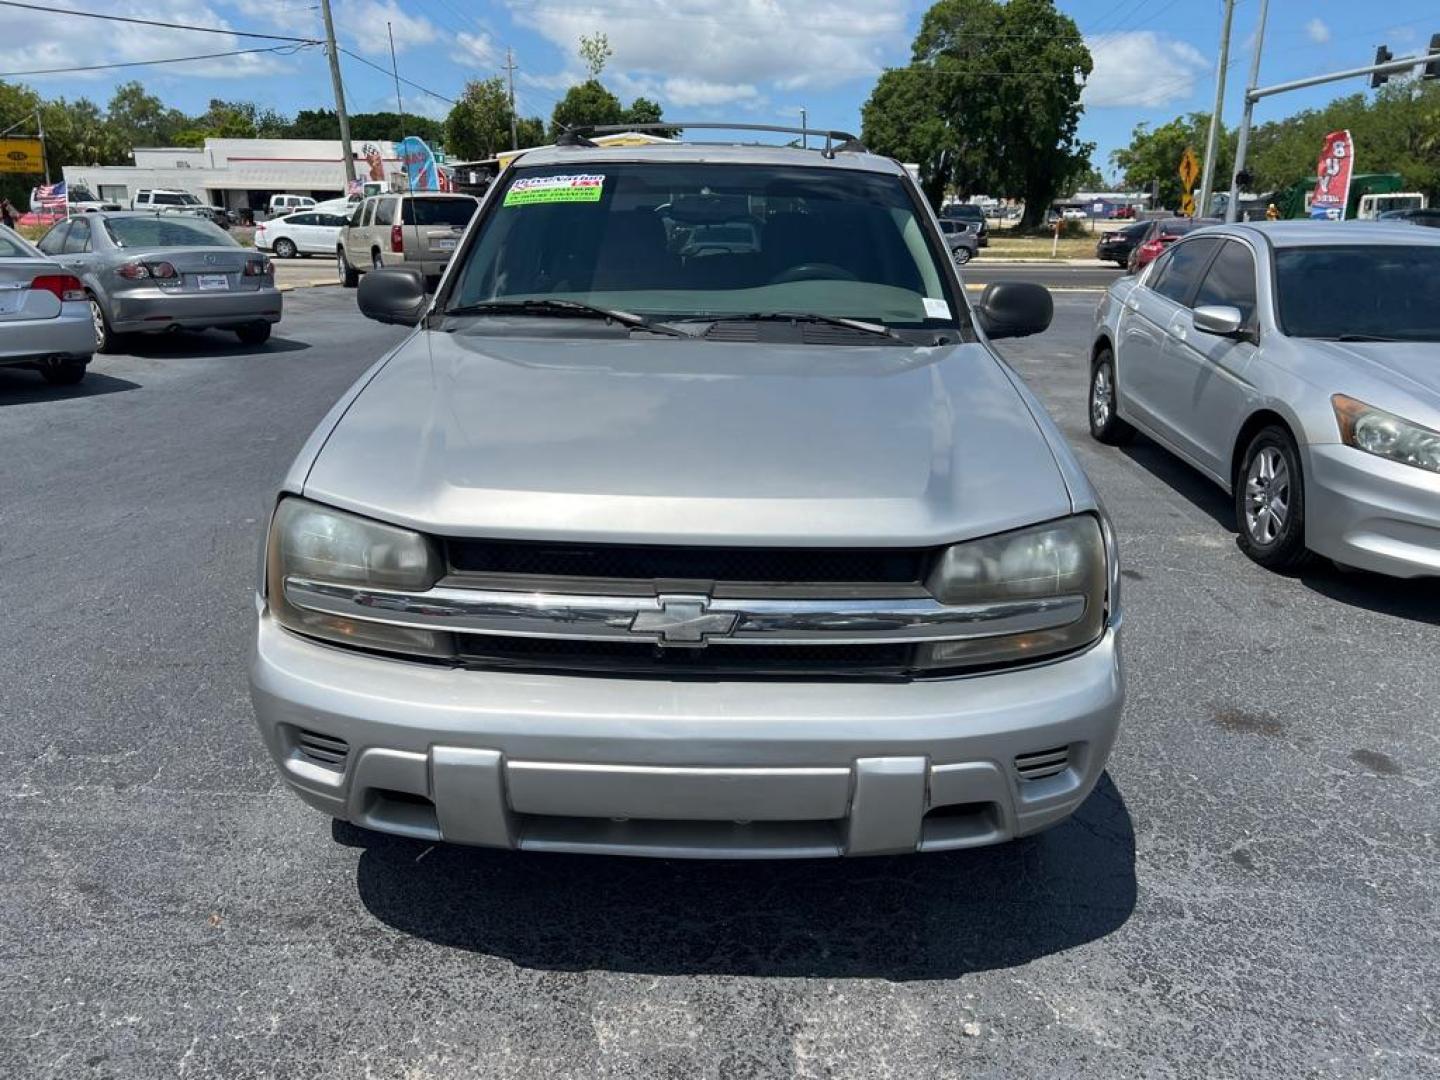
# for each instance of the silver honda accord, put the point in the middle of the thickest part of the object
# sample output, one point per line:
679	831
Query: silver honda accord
1296	364
697	518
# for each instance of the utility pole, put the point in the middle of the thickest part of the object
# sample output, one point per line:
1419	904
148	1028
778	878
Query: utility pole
399	106
44	150
1207	175
1242	145
510	72
340	113
804	134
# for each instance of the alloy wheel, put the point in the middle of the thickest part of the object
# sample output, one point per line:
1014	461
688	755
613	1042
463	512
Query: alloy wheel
1267	495
97	320
1102	397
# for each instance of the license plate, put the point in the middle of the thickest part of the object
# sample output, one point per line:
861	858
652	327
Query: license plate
445	245
207	282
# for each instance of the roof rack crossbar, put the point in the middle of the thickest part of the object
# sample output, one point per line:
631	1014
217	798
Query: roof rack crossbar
847	143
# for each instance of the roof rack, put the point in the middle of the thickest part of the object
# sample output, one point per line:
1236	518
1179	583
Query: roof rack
836	142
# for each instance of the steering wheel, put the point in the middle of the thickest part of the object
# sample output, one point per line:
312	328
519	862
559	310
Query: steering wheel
812	271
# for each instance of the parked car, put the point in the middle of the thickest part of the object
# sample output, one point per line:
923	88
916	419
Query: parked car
1116	246
1074	213
44	317
281	205
310	232
960	237
161	198
1294	365
1159	235
1415	216
411	230
154	272
736	553
971	215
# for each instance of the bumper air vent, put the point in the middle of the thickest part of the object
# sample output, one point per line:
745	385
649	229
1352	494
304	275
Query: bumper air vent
322	749
1043	763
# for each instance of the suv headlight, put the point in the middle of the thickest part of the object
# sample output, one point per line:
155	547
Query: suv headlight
1060	559
315	543
1386	435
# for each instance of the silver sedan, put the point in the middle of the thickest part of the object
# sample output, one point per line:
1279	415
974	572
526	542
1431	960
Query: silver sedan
1296	364
44	317
148	272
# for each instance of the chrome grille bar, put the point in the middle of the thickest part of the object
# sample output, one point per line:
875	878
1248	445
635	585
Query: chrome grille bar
684	620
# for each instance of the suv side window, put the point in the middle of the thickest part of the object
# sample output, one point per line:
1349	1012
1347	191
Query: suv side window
1187	261
385	211
357	214
77	241
369	211
1230	280
53	242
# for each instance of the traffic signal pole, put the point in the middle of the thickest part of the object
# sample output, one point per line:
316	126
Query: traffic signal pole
1242	144
1207	176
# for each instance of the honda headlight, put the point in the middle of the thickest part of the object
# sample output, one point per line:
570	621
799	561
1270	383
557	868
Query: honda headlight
1386	435
313	543
1053	578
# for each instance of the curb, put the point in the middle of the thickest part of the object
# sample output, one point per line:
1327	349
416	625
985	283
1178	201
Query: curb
307	285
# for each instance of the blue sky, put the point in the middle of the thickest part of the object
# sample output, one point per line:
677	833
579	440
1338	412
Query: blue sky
755	60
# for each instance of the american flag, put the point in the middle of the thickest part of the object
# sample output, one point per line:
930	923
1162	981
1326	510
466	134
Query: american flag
49	197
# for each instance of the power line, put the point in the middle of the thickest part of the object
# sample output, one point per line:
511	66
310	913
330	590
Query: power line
154	22
407	82
286	49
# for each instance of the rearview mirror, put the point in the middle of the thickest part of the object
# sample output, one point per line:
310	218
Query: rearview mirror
395	294
1010	309
1218	319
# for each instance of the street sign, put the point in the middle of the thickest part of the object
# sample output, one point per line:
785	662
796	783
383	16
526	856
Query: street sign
1187	205
1189	168
22	156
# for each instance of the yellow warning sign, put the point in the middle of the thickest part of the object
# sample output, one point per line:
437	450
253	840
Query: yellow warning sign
1187	205
1189	168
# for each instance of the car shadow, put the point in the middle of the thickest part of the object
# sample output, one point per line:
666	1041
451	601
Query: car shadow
902	918
1183	480
1416	600
203	343
20	387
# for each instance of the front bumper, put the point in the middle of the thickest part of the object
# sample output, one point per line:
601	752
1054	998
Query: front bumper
69	335
684	768
1371	513
153	309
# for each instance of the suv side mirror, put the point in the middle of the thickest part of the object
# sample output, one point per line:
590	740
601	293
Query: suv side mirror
395	294
1221	320
1014	309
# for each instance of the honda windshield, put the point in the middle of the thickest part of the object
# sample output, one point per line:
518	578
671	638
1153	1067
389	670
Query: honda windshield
672	241
1381	292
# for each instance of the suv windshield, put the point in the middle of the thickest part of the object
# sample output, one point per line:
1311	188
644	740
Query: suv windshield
168	231
697	240
1384	291
453	212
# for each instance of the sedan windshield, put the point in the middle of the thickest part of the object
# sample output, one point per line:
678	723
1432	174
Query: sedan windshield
691	240
1355	291
161	232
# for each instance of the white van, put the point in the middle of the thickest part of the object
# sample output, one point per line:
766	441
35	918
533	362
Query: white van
163	198
288	204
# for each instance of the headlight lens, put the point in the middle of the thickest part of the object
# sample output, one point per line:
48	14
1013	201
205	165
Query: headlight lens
320	544
1058	559
1386	435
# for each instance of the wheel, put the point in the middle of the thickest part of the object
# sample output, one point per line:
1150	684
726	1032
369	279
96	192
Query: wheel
254	334
1270	500
349	276
1105	423
285	249
63	372
961	256
104	336
376	262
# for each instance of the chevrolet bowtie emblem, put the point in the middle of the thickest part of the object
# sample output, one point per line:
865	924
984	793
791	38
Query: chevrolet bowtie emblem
684	620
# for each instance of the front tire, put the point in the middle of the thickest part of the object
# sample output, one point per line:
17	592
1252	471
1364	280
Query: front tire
285	249
64	372
1105	423
349	276
960	256
1270	500
254	334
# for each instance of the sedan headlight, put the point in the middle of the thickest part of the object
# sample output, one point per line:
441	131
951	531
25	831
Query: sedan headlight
314	543
1386	435
1055	575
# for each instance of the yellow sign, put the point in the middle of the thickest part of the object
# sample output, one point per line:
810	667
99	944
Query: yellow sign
1187	205
1189	168
21	156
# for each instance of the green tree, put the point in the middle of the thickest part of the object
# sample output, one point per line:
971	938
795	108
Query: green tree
989	103
138	118
588	103
314	124
1152	160
644	111
595	51
393	126
479	124
530	131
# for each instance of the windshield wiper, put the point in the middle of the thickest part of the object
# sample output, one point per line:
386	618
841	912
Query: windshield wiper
543	307
804	317
1364	337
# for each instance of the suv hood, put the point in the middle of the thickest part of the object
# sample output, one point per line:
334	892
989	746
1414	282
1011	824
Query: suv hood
668	441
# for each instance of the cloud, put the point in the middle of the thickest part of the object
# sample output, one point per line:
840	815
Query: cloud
1317	31
1142	68
698	53
364	23
477	53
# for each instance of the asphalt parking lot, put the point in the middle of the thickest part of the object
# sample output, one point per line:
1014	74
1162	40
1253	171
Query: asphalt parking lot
1250	892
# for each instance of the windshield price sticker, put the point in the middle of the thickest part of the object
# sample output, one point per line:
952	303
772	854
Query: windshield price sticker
580	187
936	309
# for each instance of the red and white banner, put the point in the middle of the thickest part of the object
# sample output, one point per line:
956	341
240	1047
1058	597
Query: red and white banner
1332	177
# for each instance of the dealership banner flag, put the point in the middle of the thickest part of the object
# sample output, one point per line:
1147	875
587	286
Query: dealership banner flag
1332	177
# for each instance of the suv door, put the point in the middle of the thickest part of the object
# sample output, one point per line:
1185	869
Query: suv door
1210	374
357	237
387	214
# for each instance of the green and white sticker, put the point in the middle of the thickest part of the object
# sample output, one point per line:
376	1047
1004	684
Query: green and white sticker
579	187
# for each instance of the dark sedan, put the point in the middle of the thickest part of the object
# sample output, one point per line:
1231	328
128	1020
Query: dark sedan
1159	235
1116	246
1416	215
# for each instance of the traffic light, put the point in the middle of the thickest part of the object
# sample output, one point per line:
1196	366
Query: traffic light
1382	56
1243	179
1432	69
